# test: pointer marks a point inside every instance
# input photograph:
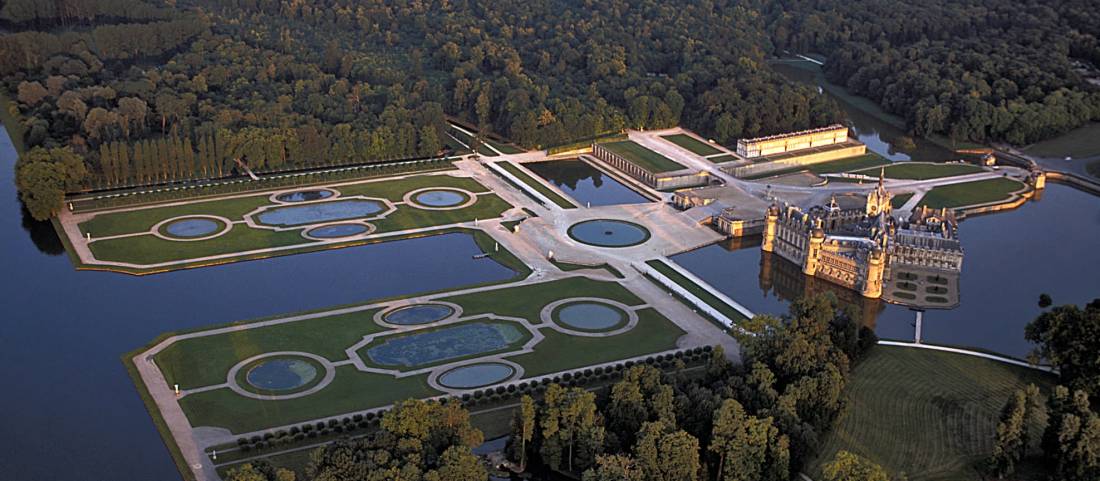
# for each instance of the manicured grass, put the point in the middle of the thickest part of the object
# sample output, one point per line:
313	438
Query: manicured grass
692	144
559	352
722	158
534	184
849	164
971	193
1080	142
645	158
351	390
900	200
924	170
528	300
204	361
149	249
930	415
712	301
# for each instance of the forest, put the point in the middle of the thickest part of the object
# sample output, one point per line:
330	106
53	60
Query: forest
152	93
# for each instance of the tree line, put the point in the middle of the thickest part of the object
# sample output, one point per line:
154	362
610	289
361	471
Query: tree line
979	70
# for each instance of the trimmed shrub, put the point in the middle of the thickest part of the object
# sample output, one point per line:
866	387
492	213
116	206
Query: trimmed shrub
357	417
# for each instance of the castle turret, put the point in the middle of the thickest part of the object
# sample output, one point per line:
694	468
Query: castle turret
1039	179
771	220
872	286
813	251
878	200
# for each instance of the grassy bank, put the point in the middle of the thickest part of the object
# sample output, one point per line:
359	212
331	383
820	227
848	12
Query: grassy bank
971	193
696	290
643	157
926	414
1079	142
692	144
538	186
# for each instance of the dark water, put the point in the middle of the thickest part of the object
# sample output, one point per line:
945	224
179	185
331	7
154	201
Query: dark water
70	411
880	136
1045	246
585	183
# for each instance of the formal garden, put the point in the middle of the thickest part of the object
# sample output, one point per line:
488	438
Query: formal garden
265	374
167	236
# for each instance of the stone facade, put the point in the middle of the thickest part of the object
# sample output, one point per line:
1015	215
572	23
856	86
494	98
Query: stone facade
791	142
674	180
858	248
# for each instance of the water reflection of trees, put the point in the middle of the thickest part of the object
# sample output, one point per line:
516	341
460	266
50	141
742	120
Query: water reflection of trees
42	233
786	280
569	173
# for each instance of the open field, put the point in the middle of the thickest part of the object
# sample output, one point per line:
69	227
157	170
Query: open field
971	193
923	170
930	415
535	184
643	157
127	235
1080	142
692	144
899	200
204	362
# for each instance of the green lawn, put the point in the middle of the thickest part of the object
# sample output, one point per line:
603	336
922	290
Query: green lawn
930	415
722	158
692	144
1080	142
923	170
712	301
971	193
351	390
645	158
467	139
899	200
149	249
534	184
559	352
849	164
205	361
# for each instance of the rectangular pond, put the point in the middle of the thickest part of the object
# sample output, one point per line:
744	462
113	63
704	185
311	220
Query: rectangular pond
585	183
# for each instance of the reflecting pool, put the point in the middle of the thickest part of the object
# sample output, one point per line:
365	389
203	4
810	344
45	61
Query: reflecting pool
320	212
476	375
609	233
585	183
281	374
194	227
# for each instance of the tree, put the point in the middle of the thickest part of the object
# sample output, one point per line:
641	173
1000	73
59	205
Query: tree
1069	337
523	428
666	454
572	429
1071	441
44	175
747	448
458	463
852	467
30	93
1045	301
1011	438
132	111
615	467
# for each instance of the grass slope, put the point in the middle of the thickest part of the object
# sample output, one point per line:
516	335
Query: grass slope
1079	142
924	171
692	144
971	193
928	414
645	158
712	301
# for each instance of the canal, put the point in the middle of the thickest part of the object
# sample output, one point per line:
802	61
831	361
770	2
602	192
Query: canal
70	410
585	183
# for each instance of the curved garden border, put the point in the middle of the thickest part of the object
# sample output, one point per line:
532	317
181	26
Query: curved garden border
547	317
231	378
155	230
410	198
648	234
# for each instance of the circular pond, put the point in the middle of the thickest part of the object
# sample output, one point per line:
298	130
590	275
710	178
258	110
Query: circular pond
476	375
192	227
337	230
609	233
419	314
440	198
589	316
304	195
281	374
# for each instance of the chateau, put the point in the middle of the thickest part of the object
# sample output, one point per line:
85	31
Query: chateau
869	250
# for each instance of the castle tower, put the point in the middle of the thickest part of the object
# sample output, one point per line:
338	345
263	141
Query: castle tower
813	251
872	287
878	200
771	221
1039	178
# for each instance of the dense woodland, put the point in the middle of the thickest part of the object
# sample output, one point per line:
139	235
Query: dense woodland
154	92
979	70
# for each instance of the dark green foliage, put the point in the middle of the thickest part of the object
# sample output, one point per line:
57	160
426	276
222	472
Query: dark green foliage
969	70
1069	338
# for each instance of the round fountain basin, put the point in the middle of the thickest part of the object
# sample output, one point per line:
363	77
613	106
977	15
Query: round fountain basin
476	375
191	228
281	374
419	314
609	233
337	231
440	198
304	195
590	316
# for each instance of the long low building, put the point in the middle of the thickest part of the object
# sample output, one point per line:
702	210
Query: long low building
647	166
792	141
